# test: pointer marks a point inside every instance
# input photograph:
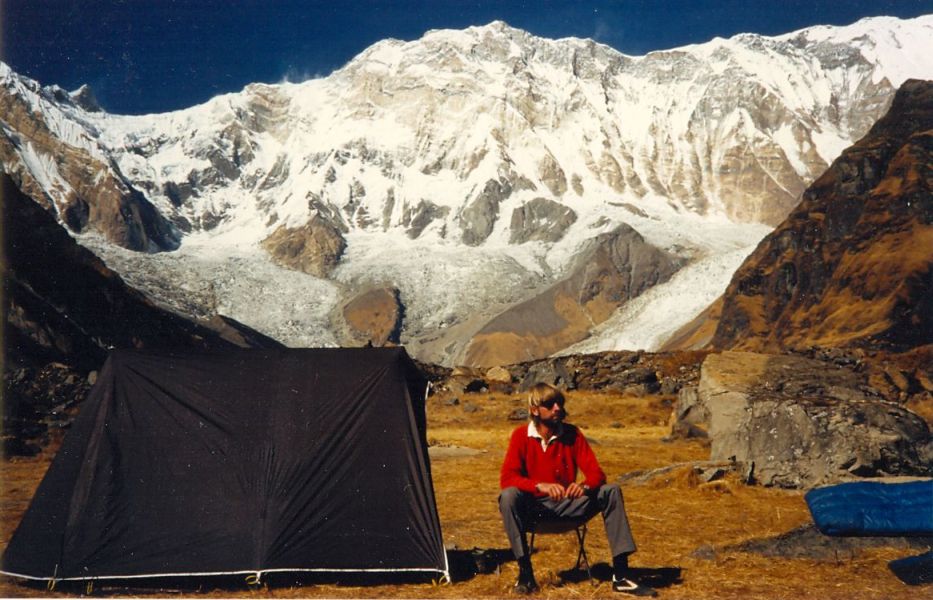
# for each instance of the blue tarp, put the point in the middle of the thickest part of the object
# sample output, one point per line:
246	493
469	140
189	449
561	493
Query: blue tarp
914	570
873	509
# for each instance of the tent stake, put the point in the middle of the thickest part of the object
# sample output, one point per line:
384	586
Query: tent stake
51	585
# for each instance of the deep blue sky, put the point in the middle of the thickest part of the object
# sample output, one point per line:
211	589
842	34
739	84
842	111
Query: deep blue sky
144	56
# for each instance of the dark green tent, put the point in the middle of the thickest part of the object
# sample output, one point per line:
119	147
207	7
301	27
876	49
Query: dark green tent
241	461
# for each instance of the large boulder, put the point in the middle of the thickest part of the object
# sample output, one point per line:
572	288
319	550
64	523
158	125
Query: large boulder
691	417
553	372
466	380
800	422
498	375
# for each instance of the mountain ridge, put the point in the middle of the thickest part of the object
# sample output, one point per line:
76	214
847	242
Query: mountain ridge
495	161
853	263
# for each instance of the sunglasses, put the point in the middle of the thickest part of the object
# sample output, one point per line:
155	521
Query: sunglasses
549	404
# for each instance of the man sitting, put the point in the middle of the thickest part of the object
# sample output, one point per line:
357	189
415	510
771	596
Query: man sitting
539	481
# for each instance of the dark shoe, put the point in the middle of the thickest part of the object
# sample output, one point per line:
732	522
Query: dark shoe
525	586
526	583
627	586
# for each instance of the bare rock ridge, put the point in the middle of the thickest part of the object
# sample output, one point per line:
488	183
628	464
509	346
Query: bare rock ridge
84	98
853	263
64	304
618	266
64	309
87	192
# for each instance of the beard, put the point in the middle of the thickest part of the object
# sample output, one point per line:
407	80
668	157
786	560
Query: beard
553	421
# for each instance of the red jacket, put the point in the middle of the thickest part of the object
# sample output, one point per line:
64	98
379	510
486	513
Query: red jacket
526	464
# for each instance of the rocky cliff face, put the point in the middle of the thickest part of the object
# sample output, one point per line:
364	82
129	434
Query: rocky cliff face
84	191
63	304
853	263
482	161
64	309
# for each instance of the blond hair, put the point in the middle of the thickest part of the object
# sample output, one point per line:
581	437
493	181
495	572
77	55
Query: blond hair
543	392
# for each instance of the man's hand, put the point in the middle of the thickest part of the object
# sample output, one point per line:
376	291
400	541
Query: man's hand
555	491
575	490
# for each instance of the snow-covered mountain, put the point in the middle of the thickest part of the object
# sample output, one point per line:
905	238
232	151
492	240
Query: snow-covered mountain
468	173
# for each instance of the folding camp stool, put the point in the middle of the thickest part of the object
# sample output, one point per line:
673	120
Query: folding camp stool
578	526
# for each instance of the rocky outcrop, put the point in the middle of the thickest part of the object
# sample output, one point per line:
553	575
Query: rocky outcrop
479	217
314	248
417	218
618	266
552	175
39	400
626	373
84	98
540	220
375	316
265	110
853	264
797	422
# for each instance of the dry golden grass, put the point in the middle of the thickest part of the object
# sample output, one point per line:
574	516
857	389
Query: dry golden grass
672	515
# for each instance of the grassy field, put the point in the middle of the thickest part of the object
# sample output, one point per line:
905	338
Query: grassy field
672	515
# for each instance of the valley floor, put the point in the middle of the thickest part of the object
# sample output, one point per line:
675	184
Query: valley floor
672	516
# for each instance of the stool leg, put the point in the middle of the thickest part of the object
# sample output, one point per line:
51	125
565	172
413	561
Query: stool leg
581	555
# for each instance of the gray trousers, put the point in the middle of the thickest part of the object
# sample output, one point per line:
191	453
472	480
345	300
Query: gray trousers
519	509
